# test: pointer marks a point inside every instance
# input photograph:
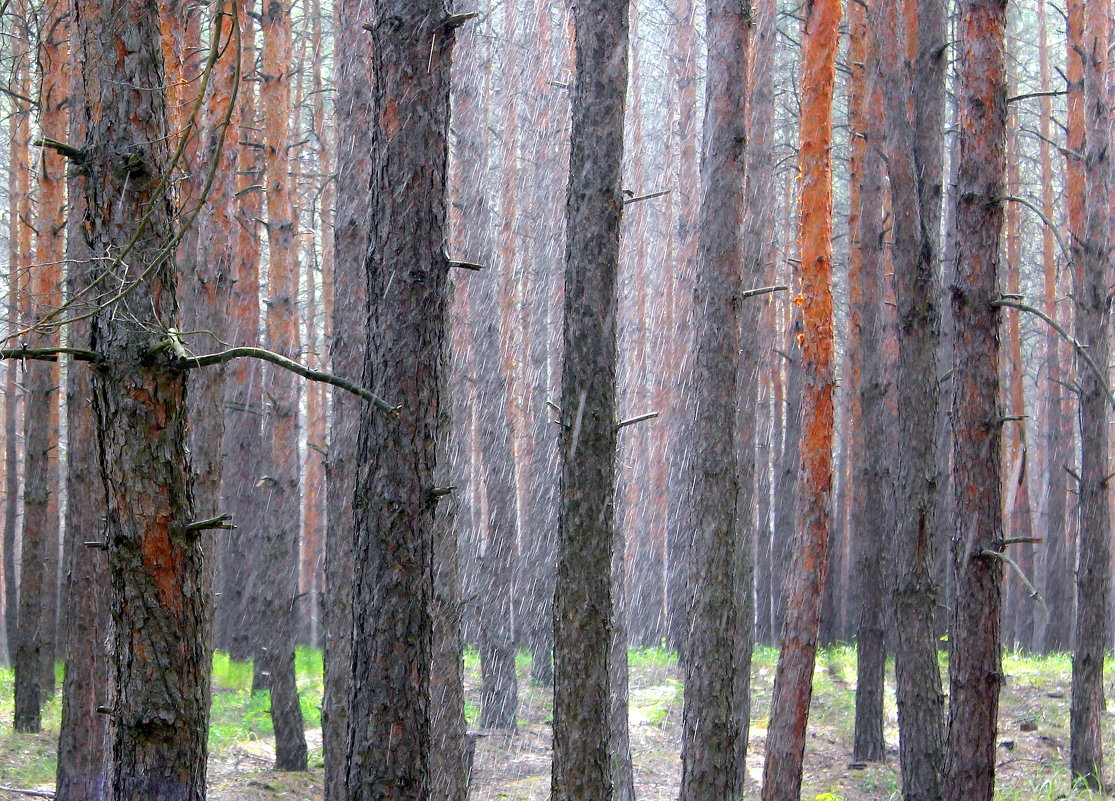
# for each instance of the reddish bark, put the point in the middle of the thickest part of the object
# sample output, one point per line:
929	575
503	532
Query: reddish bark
975	668
793	679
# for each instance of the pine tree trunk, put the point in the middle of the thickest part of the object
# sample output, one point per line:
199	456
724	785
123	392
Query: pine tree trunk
158	574
1092	276
975	667
793	678
396	498
584	603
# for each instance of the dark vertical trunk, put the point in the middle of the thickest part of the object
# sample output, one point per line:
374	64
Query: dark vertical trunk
786	492
913	87
158	576
975	668
1092	248
793	680
84	735
869	519
584	759
396	497
346	351
711	728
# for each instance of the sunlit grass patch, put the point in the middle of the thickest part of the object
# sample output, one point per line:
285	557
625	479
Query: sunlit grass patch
654	705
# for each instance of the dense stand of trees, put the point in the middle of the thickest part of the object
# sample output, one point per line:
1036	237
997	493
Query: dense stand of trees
678	323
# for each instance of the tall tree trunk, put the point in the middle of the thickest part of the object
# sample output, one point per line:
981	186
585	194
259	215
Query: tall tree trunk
1058	625
975	668
683	73
346	353
396	498
711	728
866	288
84	757
38	591
794	676
243	436
914	90
278	554
158	576
1092	277
584	756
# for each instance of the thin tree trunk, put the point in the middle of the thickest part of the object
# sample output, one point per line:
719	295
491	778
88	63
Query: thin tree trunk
794	676
975	668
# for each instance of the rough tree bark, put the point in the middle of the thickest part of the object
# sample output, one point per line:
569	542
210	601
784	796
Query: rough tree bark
794	676
158	576
396	498
346	351
866	291
914	89
1092	249
711	730
977	538
584	758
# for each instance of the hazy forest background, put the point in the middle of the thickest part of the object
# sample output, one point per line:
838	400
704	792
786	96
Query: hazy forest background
635	399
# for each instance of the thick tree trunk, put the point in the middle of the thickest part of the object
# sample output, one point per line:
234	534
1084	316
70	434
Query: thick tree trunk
1092	277
794	676
711	729
584	759
346	352
975	668
396	498
913	87
158	576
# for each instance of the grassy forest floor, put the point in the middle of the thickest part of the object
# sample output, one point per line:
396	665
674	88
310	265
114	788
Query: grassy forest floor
1033	737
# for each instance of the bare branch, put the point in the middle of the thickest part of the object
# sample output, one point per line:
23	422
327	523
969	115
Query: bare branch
220	521
633	420
192	362
765	290
1002	557
49	354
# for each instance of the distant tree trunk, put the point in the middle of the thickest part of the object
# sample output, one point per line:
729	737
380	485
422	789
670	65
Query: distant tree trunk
975	668
683	73
346	351
711	729
793	678
1093	321
866	291
396	498
243	434
84	757
913	88
1058	626
584	756
38	591
278	549
19	257
158	576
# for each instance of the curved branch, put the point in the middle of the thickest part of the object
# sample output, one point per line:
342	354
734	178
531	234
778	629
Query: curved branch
192	362
1079	348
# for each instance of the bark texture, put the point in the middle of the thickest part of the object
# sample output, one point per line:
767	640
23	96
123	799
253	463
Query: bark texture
159	590
583	602
794	676
711	729
975	667
396	499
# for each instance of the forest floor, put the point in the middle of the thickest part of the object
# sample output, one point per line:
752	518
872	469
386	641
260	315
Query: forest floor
1032	753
